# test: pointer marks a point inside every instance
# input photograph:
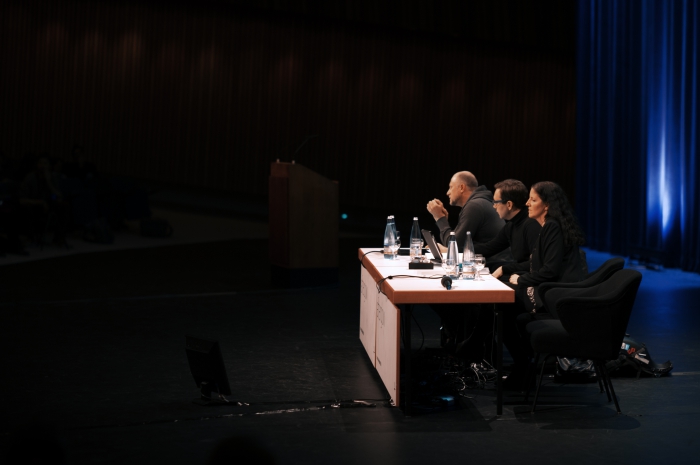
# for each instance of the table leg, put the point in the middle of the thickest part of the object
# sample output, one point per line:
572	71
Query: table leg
499	360
406	313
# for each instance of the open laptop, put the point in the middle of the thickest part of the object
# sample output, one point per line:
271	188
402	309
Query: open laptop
432	245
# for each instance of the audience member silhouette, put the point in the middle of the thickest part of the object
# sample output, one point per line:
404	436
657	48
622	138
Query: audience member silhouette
40	196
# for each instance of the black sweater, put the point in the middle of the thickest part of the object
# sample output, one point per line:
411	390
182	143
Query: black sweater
552	261
520	234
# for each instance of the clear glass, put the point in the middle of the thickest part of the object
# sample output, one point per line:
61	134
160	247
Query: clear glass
452	251
389	240
468	271
448	266
479	263
468	258
416	239
393	226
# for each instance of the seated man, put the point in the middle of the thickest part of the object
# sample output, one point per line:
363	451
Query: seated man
477	216
520	232
520	235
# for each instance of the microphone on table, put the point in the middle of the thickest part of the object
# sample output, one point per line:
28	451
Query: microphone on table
446	282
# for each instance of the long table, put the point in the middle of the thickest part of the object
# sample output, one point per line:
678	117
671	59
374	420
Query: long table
389	289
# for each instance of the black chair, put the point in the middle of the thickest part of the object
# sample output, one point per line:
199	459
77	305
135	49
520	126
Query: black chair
591	325
607	269
547	311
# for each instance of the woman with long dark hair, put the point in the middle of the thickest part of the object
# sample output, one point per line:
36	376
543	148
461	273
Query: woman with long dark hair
555	258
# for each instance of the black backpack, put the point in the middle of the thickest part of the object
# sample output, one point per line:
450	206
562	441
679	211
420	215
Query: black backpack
635	359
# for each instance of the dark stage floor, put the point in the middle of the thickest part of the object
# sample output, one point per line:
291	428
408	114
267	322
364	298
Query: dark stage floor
93	352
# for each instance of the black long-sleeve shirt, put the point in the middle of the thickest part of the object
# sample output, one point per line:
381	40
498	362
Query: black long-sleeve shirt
520	234
552	260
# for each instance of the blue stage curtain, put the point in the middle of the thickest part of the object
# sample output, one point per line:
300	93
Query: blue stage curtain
637	180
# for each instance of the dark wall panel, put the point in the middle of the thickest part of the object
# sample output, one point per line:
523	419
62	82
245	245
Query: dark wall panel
205	99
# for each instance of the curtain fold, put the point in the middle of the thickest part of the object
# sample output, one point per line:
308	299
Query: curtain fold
637	123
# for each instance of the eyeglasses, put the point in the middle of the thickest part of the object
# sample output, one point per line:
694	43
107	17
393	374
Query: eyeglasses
499	201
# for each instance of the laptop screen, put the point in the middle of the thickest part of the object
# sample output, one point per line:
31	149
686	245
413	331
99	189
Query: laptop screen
432	245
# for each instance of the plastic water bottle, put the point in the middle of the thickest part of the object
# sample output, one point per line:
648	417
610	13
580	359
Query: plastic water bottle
416	239
389	238
468	257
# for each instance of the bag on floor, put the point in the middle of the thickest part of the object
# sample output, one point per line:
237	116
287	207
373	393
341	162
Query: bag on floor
635	359
574	370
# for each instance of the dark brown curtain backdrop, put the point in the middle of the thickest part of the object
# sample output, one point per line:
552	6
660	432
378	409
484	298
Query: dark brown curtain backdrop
208	98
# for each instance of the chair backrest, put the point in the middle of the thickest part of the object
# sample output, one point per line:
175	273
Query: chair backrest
607	269
598	315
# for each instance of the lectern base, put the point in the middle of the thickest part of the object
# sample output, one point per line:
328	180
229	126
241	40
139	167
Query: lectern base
303	277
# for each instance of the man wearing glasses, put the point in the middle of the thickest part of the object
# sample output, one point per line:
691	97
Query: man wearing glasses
520	232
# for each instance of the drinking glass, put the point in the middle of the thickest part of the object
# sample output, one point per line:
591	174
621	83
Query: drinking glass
448	265
468	268
479	263
468	271
416	248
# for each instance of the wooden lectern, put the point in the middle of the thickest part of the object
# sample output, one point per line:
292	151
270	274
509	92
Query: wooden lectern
303	226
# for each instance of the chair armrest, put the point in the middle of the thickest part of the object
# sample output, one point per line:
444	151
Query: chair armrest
542	290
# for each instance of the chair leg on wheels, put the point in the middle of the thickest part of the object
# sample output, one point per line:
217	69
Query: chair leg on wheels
539	384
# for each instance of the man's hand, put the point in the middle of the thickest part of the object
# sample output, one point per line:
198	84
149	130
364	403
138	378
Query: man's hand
498	273
436	209
514	279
